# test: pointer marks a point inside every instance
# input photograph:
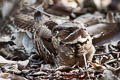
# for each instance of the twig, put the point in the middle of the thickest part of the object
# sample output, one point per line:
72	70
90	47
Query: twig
106	54
39	8
84	55
112	61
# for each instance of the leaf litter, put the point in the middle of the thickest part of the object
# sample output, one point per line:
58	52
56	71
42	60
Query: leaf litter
20	60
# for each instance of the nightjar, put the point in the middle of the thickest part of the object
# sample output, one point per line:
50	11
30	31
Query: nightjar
71	40
41	34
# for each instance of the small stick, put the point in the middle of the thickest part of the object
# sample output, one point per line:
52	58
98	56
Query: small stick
106	53
84	55
40	9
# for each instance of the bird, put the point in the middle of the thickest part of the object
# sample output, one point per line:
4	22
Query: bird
71	40
61	44
41	33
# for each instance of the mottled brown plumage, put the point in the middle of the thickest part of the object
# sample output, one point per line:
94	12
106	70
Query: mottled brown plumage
24	22
71	41
41	35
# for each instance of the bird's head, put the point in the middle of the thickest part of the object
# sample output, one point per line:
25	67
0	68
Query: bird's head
70	33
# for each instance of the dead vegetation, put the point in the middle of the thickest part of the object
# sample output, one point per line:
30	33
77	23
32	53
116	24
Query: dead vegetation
59	40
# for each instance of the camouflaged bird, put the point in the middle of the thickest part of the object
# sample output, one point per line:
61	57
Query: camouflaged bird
41	34
71	40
